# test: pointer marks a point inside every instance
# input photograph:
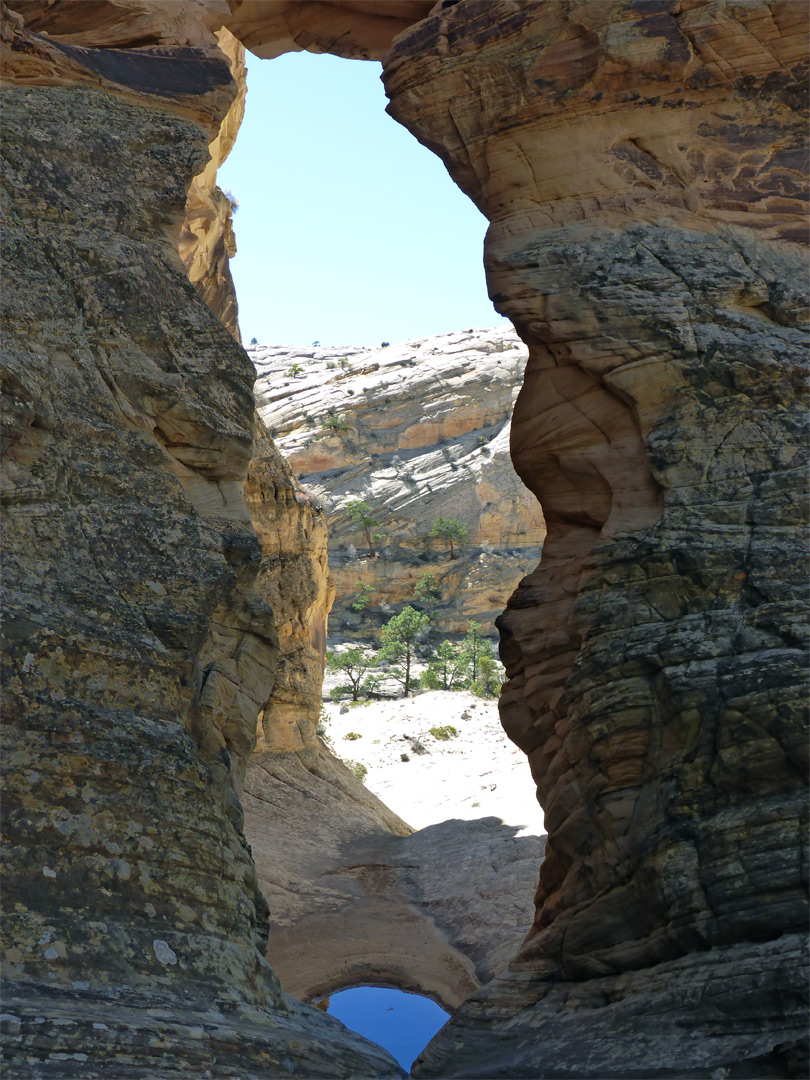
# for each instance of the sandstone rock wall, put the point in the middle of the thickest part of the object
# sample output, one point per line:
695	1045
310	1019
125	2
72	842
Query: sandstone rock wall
642	169
293	577
137	653
422	431
207	241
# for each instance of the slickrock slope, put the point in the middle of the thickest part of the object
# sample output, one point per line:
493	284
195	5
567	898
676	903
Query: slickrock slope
422	431
643	170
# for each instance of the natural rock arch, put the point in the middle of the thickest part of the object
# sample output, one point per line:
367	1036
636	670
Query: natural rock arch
640	165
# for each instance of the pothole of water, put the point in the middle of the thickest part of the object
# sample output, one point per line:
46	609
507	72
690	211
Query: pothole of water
402	1023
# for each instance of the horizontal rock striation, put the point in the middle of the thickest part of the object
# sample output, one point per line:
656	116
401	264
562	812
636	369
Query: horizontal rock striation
421	430
137	652
642	170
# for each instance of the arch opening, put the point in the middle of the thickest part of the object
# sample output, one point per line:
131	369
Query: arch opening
402	1022
437	966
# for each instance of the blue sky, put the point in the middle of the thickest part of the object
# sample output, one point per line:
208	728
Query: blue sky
403	1023
349	232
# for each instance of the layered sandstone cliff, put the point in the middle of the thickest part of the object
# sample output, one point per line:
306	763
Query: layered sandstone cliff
641	165
137	653
420	430
207	241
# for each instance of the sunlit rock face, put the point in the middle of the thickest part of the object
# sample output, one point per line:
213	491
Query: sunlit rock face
641	168
421	430
137	651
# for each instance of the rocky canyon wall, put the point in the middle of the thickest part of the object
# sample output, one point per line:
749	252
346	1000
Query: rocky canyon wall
643	169
137	650
642	165
421	430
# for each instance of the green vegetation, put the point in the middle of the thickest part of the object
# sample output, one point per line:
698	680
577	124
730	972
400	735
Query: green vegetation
334	423
352	736
474	645
451	530
357	767
353	663
323	720
361	601
448	668
254	341
444	733
490	677
343	362
362	515
293	370
398	645
428	591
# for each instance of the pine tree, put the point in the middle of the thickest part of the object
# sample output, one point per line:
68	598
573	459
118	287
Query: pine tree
428	591
450	530
363	515
399	637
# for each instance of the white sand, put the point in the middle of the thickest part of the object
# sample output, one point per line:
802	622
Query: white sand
479	773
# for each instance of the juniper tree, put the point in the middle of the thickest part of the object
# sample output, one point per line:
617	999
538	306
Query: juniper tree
354	663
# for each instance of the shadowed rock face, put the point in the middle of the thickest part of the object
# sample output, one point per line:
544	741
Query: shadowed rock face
137	653
641	167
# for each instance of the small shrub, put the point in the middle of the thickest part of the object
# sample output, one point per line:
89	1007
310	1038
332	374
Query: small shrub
330	364
444	733
384	344
404	757
334	423
254	341
362	598
353	735
476	803
323	720
357	767
343	362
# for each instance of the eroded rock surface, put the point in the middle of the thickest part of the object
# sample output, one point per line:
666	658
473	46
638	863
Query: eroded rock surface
207	243
293	577
421	430
641	168
137	652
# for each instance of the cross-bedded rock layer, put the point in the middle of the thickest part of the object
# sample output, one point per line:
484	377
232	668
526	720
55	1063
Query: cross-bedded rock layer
642	166
421	430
